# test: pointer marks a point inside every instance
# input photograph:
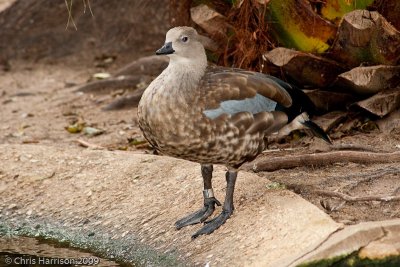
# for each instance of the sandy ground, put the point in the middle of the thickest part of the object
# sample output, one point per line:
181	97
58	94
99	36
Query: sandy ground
37	103
134	197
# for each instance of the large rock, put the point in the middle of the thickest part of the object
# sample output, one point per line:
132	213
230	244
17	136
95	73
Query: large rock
369	240
120	194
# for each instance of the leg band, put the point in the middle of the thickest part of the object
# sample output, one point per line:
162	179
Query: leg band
208	193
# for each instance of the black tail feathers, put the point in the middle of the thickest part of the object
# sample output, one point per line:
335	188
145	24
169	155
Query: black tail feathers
302	105
317	131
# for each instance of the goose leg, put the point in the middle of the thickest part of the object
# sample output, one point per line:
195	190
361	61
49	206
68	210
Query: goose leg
209	201
227	209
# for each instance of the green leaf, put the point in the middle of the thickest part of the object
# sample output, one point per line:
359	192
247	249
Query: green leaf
75	128
296	25
334	10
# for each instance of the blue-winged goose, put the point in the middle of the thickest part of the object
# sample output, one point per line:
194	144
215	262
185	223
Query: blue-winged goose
215	115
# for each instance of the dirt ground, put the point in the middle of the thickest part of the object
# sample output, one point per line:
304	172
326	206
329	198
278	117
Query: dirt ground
39	101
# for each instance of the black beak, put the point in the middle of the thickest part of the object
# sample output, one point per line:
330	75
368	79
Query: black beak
166	49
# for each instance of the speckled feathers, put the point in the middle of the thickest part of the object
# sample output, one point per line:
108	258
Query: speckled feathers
172	112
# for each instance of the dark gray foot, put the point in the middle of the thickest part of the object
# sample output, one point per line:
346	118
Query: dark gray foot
213	224
200	215
227	210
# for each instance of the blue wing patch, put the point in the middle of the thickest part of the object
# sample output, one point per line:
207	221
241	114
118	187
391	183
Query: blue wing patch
254	105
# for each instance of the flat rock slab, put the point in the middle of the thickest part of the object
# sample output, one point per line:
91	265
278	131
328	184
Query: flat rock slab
115	194
370	240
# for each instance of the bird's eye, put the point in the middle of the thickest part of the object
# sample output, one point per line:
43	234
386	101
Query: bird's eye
184	39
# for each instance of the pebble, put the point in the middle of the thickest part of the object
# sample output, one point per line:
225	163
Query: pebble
26	115
12	206
124	233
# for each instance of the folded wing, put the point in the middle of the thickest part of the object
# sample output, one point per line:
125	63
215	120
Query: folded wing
228	90
250	99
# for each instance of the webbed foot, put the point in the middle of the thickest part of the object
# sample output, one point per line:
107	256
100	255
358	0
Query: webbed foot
214	224
200	215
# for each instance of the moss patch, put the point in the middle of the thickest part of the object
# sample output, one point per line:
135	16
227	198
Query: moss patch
125	251
353	260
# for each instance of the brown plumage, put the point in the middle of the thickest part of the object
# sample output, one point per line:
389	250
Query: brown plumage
215	115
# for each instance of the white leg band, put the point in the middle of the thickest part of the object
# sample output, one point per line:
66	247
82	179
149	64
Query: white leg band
208	193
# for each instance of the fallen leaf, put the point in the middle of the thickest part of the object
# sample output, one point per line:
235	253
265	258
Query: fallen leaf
75	128
304	68
209	20
101	75
135	141
91	131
